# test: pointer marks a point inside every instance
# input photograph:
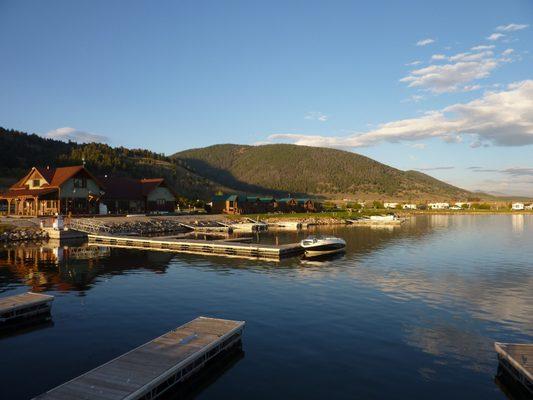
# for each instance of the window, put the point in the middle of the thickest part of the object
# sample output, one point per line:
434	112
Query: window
80	182
36	183
161	202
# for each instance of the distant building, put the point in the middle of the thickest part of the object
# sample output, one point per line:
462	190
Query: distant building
438	206
390	205
132	196
242	204
47	191
462	205
409	206
518	206
528	206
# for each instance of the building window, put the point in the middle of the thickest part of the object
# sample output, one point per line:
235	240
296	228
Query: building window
161	202
36	183
80	183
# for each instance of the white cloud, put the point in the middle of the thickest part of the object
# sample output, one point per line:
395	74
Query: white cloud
451	77
419	146
74	135
316	116
483	47
511	27
414	63
425	42
438	57
502	118
471	88
457	74
436	168
495	36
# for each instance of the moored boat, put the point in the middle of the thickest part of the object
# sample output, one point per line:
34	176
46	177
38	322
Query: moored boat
319	246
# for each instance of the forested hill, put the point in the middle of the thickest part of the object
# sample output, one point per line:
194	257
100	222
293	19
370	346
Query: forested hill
21	151
312	170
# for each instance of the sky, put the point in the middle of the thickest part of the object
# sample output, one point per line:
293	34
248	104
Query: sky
443	87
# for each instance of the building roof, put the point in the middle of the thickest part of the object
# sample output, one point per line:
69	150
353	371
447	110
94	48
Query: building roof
54	177
286	200
131	189
27	192
122	188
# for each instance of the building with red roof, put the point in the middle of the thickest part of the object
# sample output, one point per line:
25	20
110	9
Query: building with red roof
47	191
128	196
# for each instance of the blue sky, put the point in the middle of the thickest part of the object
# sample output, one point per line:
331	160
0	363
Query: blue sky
405	83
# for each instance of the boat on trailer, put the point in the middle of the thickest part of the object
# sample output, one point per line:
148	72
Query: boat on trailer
315	246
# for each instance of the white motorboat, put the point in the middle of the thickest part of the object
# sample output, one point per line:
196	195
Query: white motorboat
319	246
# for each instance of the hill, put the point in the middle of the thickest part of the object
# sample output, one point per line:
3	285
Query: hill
21	151
286	168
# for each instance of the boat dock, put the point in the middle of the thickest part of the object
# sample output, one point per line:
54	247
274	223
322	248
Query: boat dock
24	306
153	368
517	360
206	247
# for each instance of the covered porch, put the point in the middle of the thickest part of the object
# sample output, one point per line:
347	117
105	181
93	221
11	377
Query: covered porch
26	204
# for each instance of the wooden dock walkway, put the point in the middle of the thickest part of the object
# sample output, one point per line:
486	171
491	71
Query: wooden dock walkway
517	359
151	369
23	306
205	247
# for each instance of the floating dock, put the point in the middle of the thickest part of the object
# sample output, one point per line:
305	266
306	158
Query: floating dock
205	247
517	360
24	306
151	369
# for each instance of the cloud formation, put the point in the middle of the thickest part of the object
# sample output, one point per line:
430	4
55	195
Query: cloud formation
425	42
436	168
495	36
67	134
316	116
454	75
511	27
503	118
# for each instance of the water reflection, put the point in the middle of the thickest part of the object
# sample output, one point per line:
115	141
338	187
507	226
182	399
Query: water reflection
54	266
518	223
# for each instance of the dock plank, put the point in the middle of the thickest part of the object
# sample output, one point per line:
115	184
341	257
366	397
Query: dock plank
135	373
18	301
517	358
208	247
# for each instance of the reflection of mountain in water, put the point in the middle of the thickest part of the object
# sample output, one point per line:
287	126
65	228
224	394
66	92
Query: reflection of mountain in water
65	268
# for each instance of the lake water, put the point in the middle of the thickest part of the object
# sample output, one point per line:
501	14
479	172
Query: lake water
410	312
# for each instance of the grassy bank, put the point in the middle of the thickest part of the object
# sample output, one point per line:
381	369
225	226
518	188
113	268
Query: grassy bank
344	214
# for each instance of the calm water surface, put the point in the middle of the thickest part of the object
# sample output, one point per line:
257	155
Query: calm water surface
409	312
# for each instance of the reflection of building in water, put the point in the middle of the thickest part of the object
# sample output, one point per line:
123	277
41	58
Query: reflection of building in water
518	223
64	268
440	221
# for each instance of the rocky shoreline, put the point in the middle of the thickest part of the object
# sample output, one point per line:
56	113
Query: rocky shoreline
23	235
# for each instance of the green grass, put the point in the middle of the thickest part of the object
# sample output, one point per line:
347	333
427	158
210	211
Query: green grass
343	214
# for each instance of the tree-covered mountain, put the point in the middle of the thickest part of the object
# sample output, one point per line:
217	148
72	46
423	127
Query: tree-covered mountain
286	168
21	151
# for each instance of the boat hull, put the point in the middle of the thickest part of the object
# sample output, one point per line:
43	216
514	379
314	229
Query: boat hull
325	249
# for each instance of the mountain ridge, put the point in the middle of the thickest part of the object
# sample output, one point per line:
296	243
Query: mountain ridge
326	172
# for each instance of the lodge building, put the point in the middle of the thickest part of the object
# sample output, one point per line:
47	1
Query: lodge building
130	196
74	190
